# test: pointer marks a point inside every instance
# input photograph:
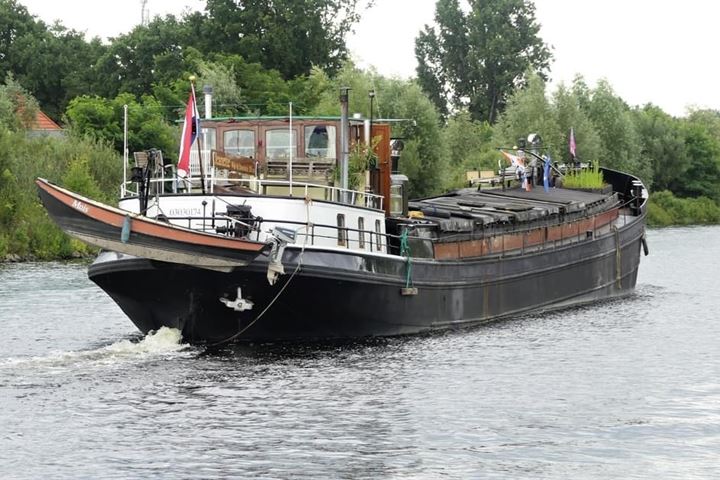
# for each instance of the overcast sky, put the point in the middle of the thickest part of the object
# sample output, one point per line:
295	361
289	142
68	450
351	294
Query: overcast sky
656	51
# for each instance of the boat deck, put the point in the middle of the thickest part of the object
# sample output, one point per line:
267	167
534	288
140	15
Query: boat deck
513	205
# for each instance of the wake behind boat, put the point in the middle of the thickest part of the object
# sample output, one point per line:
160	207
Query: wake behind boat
343	262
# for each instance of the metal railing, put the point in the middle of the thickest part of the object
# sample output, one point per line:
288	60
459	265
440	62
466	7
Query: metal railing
167	184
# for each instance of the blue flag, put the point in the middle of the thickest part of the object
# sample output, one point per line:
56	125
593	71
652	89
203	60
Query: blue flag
546	173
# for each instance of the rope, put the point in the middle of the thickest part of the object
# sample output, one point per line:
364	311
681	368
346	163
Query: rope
405	251
618	257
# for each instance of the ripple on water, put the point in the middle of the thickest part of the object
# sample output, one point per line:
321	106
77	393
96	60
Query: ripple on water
620	389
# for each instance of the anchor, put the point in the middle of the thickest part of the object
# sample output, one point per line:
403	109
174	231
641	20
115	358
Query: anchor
239	304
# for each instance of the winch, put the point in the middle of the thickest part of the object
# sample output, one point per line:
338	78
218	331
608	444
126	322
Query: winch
241	221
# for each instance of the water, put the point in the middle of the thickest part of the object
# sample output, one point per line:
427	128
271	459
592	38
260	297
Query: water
625	389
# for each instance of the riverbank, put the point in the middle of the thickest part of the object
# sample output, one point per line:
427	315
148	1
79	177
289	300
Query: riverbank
666	210
75	256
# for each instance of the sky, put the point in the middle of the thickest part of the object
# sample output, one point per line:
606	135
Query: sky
651	51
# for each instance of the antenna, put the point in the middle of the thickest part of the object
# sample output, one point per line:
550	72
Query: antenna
144	13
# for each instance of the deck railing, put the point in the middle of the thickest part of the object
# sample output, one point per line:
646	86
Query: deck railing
220	185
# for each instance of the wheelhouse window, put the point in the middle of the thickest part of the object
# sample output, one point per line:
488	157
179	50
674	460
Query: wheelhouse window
361	232
320	141
239	142
341	230
279	143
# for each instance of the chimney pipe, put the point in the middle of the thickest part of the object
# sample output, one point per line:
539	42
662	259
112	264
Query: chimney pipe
344	138
208	91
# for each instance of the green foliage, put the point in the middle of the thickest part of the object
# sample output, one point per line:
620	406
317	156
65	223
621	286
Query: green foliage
17	107
571	112
247	88
79	180
53	63
146	56
665	209
86	165
481	69
476	59
419	122
703	173
528	111
362	158
468	146
606	130
102	119
663	146
289	36
614	122
589	178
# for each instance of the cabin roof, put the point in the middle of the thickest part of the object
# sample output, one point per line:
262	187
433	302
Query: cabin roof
494	205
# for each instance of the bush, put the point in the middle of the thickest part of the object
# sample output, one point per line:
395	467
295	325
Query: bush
665	209
83	165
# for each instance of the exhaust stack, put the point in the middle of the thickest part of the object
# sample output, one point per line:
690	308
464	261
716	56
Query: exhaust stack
208	91
344	138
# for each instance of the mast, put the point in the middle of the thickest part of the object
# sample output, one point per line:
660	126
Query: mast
290	144
125	146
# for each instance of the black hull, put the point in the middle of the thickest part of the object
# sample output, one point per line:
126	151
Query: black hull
346	296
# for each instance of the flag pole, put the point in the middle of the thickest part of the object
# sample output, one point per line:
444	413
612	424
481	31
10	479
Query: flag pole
291	149
125	148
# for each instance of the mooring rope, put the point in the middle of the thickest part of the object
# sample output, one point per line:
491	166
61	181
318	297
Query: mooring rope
618	257
405	251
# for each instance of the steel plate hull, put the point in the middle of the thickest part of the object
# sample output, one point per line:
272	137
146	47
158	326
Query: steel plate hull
345	295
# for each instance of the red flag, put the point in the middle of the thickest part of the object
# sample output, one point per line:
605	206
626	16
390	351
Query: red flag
191	127
572	143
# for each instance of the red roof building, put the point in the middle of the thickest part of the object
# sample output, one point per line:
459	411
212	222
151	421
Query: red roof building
44	125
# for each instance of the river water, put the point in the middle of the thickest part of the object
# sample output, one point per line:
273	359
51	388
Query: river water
628	388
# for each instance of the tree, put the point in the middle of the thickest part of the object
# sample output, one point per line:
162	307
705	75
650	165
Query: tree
620	143
476	59
55	64
149	55
529	111
290	36
102	119
465	139
18	107
663	145
703	174
256	91
15	23
570	114
422	159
